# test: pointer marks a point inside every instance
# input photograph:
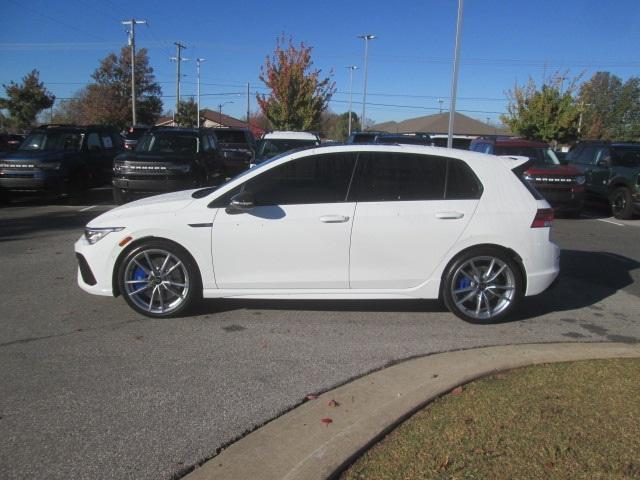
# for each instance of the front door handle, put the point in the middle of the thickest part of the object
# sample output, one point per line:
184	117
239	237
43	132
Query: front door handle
449	215
334	218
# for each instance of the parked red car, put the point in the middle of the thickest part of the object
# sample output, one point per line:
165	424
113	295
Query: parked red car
563	186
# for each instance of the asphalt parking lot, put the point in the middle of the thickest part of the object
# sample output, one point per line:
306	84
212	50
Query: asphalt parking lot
90	390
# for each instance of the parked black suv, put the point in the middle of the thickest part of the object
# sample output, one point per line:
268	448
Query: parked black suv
612	172
168	159
237	147
364	137
404	138
61	159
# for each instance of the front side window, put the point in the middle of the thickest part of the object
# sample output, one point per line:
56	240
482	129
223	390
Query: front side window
67	141
93	142
314	179
395	176
626	157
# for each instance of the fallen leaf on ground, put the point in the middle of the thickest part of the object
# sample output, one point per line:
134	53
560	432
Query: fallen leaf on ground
311	396
457	391
326	421
333	403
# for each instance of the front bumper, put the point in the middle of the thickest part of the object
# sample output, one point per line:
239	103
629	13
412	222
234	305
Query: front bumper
34	180
156	184
562	198
96	262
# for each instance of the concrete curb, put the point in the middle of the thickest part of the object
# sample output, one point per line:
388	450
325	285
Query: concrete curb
298	445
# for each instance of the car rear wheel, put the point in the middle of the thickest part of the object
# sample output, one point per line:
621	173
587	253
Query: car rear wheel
483	285
621	203
159	279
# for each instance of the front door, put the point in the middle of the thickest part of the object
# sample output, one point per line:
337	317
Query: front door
298	233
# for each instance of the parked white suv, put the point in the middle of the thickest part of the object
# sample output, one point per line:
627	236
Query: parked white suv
275	143
336	222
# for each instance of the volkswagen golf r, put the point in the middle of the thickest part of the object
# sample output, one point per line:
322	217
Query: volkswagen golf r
337	222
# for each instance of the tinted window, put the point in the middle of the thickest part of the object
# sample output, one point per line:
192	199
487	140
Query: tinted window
231	136
168	142
587	155
270	147
626	156
392	176
93	142
462	183
107	143
314	179
52	140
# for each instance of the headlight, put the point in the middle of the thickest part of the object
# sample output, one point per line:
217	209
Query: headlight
49	166
580	179
94	234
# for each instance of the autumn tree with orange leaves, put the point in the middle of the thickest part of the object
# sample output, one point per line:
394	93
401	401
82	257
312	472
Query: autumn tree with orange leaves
298	95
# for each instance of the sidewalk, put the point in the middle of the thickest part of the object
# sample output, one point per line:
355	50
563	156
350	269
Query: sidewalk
303	444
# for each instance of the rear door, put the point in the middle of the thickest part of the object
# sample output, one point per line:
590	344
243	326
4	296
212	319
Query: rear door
410	210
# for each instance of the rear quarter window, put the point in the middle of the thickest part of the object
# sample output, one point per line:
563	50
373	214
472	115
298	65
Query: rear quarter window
462	183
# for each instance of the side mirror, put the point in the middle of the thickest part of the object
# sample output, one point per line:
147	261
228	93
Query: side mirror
241	202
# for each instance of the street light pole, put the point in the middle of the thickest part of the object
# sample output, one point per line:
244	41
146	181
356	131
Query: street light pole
220	105
454	82
351	69
132	43
366	38
178	59
198	62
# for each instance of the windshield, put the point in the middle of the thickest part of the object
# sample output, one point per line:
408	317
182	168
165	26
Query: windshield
406	139
67	141
231	136
626	156
539	155
276	146
169	142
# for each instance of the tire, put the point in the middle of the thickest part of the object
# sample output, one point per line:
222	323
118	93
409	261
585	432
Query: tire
621	203
491	299
159	279
120	196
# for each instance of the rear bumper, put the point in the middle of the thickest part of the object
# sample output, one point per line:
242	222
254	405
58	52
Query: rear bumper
542	272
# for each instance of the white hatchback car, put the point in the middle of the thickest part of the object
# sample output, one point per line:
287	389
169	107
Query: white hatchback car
337	222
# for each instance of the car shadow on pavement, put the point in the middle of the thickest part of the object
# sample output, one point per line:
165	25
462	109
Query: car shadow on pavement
43	224
586	278
94	196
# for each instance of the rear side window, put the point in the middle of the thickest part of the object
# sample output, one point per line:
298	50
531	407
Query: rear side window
395	176
462	183
313	179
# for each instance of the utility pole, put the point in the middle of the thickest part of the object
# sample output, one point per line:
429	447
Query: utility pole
351	69
248	106
220	105
178	59
198	62
132	43
366	39
454	80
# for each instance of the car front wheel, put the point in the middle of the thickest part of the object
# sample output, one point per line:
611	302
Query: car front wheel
483	285
622	203
159	279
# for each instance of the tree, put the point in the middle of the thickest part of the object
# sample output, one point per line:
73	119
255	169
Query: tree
108	99
340	130
610	108
548	113
187	115
26	100
298	94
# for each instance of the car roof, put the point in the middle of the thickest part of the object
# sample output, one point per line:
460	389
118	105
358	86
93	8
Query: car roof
286	135
511	142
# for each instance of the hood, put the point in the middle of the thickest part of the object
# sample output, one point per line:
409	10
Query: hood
38	155
558	170
167	203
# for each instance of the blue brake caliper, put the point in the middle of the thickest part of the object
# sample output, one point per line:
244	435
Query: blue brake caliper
138	274
464	282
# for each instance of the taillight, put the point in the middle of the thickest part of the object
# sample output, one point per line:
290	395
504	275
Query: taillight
543	218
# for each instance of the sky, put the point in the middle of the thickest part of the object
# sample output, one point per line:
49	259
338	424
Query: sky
410	61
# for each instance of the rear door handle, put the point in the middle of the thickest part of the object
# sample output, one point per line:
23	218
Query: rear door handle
449	215
334	218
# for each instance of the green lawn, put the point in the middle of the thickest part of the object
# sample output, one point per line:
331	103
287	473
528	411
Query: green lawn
576	420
